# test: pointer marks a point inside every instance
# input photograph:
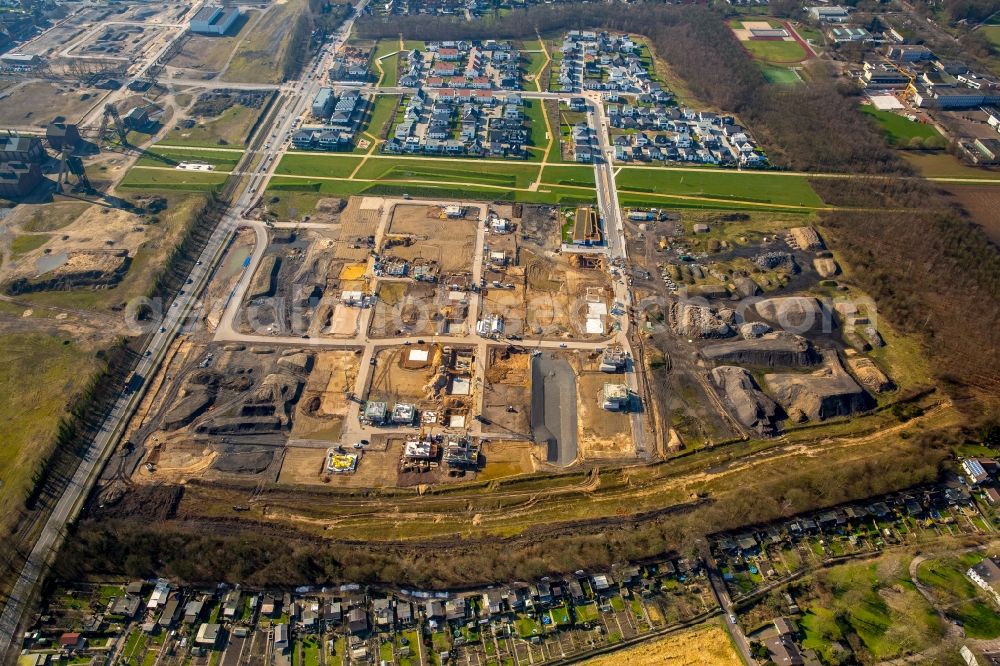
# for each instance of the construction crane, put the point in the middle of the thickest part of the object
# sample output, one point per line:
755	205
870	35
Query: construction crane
111	114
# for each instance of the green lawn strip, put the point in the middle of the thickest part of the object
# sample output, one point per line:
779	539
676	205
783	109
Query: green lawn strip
579	176
173	179
507	174
756	187
385	106
389	63
165	157
282	185
537	128
318	164
171	158
898	129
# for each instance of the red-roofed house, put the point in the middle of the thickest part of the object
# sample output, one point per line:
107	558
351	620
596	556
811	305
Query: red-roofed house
72	641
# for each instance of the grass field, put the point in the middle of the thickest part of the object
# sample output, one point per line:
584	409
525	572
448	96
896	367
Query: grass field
262	55
390	64
778	74
25	243
718	184
59	369
381	112
479	172
231	128
320	164
960	598
569	175
144	178
900	130
534	61
875	601
992	33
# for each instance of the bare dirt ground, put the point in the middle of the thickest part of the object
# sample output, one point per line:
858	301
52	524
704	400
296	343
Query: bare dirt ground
227	275
449	243
394	382
510	303
509	459
705	646
508	385
320	412
37	103
97	228
404	309
557	294
302	466
601	434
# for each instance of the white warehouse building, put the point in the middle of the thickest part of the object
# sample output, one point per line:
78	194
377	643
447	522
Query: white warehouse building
213	20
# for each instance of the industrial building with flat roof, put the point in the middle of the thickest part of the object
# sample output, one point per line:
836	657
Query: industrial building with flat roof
214	20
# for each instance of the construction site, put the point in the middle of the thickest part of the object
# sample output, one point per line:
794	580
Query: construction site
751	318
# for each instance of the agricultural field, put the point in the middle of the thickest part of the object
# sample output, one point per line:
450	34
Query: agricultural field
981	203
901	131
944	165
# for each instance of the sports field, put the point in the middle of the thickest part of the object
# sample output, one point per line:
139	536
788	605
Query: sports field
777	50
779	74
